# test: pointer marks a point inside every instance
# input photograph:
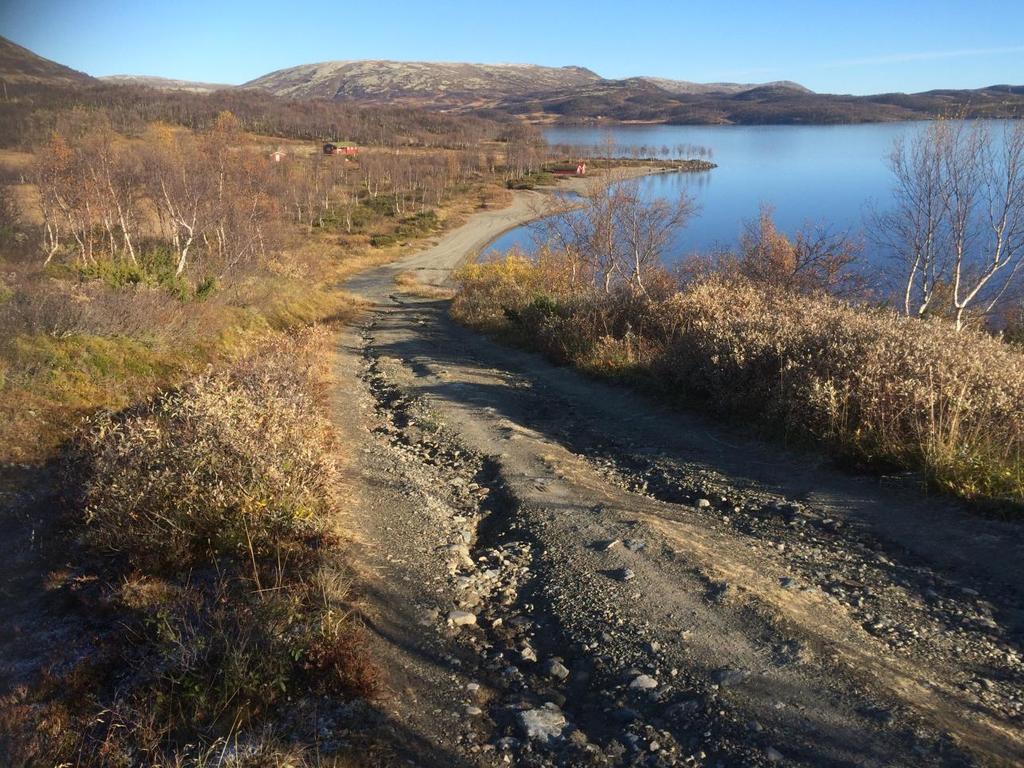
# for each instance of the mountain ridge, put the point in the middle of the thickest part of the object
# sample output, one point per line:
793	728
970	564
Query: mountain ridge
545	94
459	83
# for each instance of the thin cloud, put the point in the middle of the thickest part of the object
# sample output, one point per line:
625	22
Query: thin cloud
896	58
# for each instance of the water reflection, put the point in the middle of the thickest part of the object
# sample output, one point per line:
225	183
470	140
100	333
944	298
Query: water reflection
812	175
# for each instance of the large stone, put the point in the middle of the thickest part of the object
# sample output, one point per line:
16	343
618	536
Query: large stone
544	725
773	755
556	669
729	677
461	618
643	683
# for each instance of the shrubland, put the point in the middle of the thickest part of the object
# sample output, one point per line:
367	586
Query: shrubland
208	522
132	261
781	334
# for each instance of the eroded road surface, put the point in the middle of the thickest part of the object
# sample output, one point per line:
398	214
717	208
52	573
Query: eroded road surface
562	572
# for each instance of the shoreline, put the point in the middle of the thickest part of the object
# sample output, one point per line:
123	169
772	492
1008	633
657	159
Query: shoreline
577	185
434	265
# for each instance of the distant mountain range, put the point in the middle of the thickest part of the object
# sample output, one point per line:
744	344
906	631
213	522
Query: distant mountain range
552	94
555	94
164	83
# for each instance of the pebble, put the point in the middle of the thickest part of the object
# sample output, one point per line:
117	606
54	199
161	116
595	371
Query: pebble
643	683
703	503
773	755
461	618
625	574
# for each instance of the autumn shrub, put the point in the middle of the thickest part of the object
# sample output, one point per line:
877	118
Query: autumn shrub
235	464
490	291
880	386
874	386
206	520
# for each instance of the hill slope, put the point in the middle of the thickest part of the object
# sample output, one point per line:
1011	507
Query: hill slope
438	83
164	83
547	94
688	87
19	65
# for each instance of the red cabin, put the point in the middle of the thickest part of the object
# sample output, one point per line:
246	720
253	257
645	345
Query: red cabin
333	149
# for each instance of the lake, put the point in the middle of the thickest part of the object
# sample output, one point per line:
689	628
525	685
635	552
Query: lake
828	175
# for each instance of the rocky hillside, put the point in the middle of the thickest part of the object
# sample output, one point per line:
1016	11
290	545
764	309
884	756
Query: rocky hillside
564	94
688	87
442	84
20	66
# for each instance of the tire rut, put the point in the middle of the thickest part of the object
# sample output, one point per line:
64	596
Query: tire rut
617	604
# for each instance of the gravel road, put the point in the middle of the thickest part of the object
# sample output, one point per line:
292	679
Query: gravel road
561	572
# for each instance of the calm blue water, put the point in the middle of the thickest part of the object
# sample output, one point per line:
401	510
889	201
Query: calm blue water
829	175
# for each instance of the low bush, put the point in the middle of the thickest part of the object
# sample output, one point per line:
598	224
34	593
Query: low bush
233	464
872	385
417	225
206	525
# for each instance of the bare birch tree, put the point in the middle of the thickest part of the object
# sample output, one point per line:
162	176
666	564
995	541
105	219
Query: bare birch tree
611	233
957	226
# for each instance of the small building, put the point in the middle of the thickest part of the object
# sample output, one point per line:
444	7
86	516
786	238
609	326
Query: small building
570	169
334	149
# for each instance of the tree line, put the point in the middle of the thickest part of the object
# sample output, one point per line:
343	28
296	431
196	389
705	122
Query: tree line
212	200
29	113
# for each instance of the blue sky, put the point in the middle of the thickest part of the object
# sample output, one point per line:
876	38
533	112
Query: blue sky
853	47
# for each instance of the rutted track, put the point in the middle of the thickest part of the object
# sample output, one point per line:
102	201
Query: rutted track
642	587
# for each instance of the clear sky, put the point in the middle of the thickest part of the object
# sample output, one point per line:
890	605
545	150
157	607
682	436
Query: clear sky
867	46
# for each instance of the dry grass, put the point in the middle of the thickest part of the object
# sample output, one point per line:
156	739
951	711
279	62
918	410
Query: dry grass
206	519
204	560
232	464
874	386
410	284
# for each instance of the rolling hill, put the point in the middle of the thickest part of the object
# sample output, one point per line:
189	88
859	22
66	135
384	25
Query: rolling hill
549	94
164	83
559	94
428	83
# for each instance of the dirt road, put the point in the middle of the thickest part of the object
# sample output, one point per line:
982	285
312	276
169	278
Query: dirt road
560	572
